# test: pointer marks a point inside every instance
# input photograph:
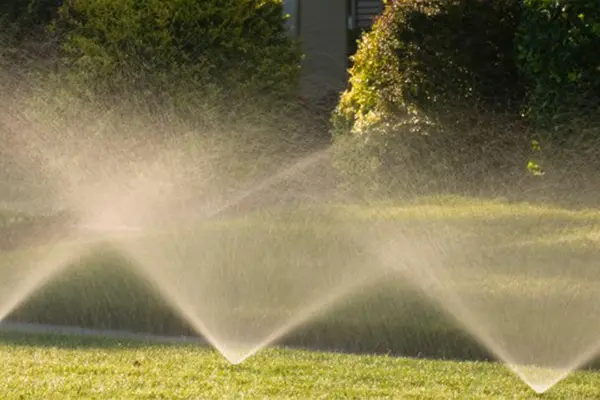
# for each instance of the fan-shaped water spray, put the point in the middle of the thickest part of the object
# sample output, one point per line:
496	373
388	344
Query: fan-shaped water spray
244	284
529	301
524	284
25	266
241	282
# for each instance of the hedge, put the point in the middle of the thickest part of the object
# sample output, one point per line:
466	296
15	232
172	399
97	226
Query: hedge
155	47
433	93
558	55
21	16
557	47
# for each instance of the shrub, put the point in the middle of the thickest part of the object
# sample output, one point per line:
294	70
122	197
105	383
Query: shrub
433	93
24	15
23	36
558	55
157	46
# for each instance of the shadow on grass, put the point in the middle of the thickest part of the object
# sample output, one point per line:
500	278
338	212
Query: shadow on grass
108	295
77	341
105	293
369	323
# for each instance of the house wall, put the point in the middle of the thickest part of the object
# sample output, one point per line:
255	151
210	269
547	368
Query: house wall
365	12
323	33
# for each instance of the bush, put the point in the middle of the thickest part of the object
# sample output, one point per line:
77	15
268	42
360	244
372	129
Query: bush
24	15
212	68
558	55
23	36
160	47
434	91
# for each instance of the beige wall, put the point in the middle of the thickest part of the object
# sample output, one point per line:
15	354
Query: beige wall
323	30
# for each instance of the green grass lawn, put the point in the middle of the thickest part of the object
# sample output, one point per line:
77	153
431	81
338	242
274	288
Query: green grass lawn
53	367
527	275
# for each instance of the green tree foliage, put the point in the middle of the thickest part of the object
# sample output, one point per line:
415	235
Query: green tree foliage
558	44
24	15
424	83
157	46
558	48
25	42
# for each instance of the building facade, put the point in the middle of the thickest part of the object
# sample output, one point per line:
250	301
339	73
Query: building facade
328	30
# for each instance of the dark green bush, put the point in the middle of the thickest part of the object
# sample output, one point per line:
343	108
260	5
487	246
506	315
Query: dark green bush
23	35
157	46
558	45
433	93
25	15
558	56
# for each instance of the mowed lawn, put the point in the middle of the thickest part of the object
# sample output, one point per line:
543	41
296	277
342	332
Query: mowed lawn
56	367
495	253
